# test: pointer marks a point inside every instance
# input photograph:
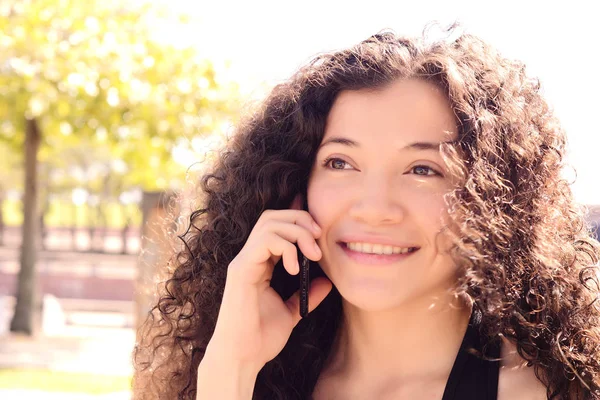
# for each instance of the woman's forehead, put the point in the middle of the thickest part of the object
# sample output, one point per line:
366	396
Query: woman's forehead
411	109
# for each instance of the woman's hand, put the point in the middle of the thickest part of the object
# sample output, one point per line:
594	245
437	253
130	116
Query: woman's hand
254	323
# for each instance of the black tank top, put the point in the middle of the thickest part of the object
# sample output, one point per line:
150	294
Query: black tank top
474	377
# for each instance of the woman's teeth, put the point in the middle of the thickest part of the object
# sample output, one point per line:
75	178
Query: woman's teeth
371	248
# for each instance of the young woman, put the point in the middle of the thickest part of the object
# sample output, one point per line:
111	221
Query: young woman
423	182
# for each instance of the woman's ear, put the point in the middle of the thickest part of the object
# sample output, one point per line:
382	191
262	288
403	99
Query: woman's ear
297	203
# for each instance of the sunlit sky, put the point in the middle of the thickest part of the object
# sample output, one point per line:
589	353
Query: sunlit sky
267	40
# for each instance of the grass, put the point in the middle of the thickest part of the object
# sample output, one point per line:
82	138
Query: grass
55	381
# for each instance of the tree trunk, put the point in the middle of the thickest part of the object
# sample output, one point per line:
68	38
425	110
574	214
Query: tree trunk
43	230
25	309
44	195
125	236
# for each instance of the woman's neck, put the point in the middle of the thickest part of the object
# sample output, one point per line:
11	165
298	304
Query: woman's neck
418	340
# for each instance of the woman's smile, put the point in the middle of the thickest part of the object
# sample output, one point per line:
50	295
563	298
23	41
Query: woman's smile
358	253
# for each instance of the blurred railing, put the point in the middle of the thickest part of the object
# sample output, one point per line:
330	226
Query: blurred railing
102	240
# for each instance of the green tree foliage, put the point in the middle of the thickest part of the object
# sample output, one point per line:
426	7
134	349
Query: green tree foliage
99	85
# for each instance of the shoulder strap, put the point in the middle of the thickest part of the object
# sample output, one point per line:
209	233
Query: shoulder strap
473	376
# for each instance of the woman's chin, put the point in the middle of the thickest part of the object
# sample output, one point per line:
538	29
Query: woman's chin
371	296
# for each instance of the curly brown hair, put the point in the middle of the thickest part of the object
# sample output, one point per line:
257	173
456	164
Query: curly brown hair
528	260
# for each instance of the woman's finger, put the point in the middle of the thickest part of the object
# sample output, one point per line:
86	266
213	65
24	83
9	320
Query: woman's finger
297	217
305	239
275	248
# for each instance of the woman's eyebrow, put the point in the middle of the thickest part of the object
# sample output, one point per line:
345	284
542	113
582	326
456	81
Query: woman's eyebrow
340	140
411	146
422	146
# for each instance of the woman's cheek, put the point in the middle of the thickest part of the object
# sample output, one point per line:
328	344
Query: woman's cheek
427	202
322	200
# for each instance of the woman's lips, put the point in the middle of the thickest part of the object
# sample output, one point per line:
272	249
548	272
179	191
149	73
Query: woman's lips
375	259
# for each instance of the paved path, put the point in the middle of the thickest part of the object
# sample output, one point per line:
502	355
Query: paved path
78	349
81	349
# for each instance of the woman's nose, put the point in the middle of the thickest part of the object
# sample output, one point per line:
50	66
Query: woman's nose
376	203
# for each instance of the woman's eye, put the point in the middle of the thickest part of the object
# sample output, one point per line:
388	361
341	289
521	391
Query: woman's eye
424	170
335	163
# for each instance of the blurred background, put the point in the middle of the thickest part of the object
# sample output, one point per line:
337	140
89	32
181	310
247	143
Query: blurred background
110	108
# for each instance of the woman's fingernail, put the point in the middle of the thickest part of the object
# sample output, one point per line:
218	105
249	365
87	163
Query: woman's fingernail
317	248
317	227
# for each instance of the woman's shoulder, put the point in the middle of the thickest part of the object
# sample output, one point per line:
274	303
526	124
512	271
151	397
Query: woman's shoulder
516	380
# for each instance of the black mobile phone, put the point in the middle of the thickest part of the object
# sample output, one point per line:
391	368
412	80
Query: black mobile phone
304	275
304	284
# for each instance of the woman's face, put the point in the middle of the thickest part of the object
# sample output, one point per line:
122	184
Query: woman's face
377	186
